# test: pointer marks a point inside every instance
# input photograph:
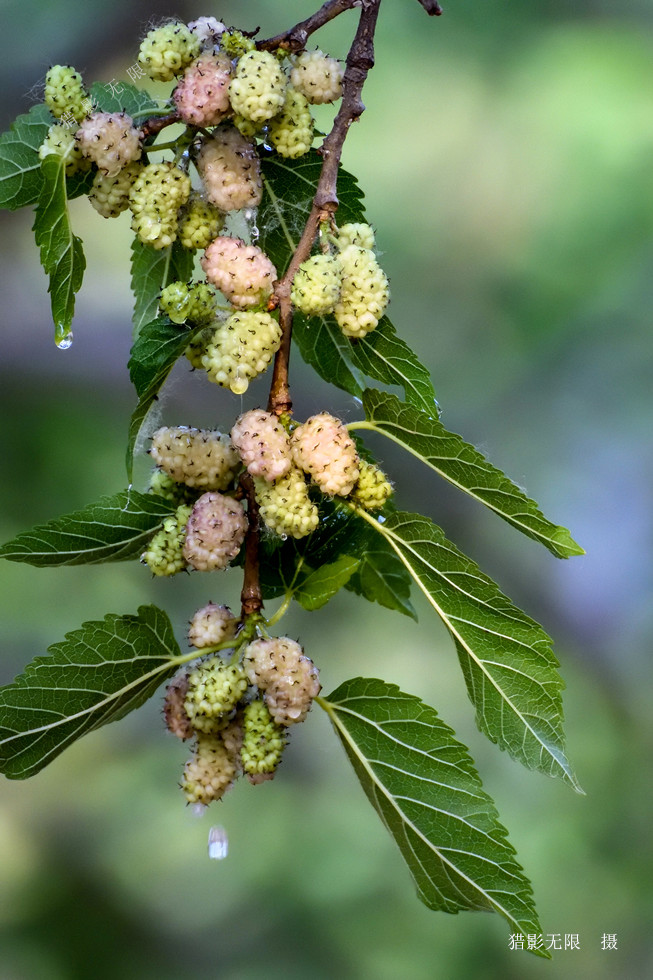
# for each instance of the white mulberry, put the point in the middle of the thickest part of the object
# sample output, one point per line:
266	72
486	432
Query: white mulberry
110	195
164	554
207	30
210	772
241	348
214	689
373	487
323	448
318	76
211	625
155	198
165	51
60	141
215	532
262	443
64	93
230	170
364	294
285	505
242	273
356	233
110	140
291	132
263	742
288	678
200	458
316	285
202	95
198	222
257	89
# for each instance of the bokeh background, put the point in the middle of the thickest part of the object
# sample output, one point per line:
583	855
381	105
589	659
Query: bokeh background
506	160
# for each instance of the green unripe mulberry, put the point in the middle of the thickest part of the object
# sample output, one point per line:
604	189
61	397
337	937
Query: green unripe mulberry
373	487
291	132
166	51
164	555
258	87
263	742
316	286
240	349
64	93
60	141
199	222
176	301
285	505
214	690
210	772
155	199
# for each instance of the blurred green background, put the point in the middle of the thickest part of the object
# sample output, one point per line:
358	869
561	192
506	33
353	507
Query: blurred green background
506	160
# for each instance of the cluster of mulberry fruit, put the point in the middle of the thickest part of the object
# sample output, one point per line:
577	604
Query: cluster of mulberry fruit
237	711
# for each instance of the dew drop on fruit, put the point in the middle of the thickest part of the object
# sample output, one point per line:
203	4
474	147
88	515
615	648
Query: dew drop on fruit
218	843
250	215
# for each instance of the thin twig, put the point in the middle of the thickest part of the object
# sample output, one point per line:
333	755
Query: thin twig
432	7
359	62
155	124
251	597
296	37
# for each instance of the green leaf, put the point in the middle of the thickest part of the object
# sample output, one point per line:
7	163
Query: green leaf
382	577
506	657
153	355
152	269
315	590
381	355
115	528
464	467
98	674
62	255
121	96
20	166
422	783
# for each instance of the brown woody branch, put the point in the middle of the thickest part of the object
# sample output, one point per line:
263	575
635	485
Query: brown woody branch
432	7
296	37
155	124
359	62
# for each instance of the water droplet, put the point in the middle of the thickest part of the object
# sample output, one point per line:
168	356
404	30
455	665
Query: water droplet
284	537
250	216
218	843
239	385
66	341
199	809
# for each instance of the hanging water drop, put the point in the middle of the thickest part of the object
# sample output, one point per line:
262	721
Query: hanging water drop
65	341
250	215
218	843
199	809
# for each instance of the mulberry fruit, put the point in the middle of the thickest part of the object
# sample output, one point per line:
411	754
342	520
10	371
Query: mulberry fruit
207	30
164	554
285	506
202	95
175	301
257	89
64	93
230	170
164	486
289	680
318	76
60	141
364	294
323	448
263	444
263	742
316	286
373	487
214	690
211	625
155	198
110	195
242	273
166	51
240	349
198	222
110	140
215	532
356	233
202	308
174	713
199	458
291	132
210	772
